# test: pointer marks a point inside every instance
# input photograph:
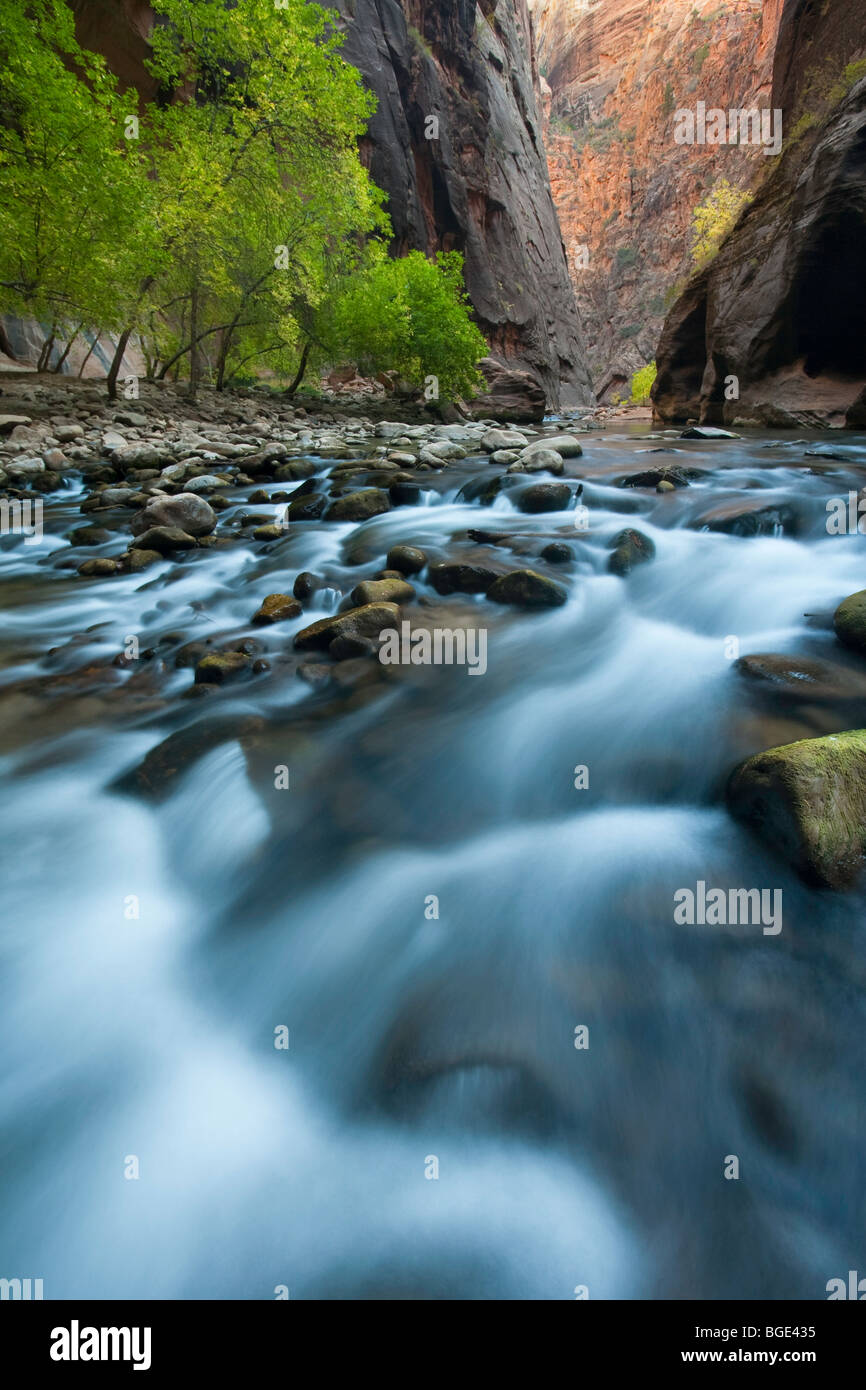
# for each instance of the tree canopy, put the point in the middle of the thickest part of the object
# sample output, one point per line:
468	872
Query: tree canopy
228	221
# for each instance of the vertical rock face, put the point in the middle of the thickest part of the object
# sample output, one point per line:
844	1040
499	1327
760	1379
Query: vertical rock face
782	307
480	185
615	72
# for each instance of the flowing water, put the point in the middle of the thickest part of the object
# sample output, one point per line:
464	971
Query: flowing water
156	938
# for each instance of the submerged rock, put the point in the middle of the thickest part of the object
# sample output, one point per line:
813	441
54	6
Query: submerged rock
367	621
408	559
219	667
629	548
382	591
808	799
544	497
461	579
527	589
276	608
165	539
359	506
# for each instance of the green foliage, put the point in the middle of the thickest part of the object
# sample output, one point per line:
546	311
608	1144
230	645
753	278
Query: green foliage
657	304
713	219
669	101
700	56
630	330
410	315
71	187
641	383
852	73
625	256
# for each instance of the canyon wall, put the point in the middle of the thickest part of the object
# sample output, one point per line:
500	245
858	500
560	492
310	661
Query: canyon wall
481	184
779	313
613	73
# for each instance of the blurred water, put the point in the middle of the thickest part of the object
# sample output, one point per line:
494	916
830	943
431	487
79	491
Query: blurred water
414	1037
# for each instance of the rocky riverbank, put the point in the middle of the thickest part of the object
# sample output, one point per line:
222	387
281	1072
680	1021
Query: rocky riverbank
160	484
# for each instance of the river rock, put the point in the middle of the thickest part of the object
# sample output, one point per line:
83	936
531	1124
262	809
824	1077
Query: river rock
219	667
276	608
706	432
408	559
494	440
10	422
538	461
544	497
808	799
185	511
164	539
629	548
89	535
802	677
382	591
306	584
308	508
359	506
849	621
527	589
135	560
100	568
568	446
750	517
557	553
367	621
461	579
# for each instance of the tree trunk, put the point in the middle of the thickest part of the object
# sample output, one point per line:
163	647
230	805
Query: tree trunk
45	354
299	374
194	358
65	353
89	352
223	358
114	369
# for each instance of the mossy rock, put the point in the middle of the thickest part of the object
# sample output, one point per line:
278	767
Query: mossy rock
849	621
808	799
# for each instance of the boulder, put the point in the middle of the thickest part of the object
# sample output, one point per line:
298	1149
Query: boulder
408	559
359	506
461	579
276	608
629	548
808	800
527	589
185	511
367	621
382	591
849	621
164	539
544	497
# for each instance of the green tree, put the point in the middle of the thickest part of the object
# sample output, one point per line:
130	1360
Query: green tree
410	315
713	219
641	383
71	184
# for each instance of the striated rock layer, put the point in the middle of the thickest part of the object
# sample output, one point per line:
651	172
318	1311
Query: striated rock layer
614	72
781	308
481	186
